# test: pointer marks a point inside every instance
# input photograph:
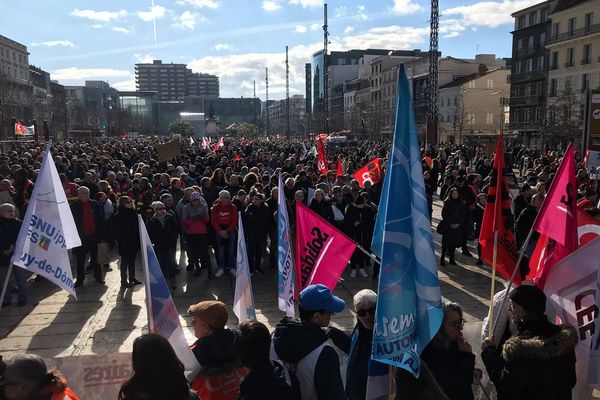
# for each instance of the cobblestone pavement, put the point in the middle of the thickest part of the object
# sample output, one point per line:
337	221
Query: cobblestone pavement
106	319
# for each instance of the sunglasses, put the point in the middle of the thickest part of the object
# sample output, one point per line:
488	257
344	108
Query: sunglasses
363	313
457	324
160	208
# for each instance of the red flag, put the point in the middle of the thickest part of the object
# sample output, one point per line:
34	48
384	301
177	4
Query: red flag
497	216
340	168
322	251
215	148
588	228
370	172
19	128
322	158
556	221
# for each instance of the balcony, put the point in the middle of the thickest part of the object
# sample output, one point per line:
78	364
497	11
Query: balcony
526	100
526	77
529	51
577	33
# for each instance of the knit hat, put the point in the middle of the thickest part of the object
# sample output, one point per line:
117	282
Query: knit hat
157	204
195	196
531	298
211	312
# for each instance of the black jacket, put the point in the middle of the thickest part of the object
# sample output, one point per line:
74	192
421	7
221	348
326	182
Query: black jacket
257	220
538	363
453	212
125	230
216	351
323	208
77	211
269	382
453	370
524	223
9	232
163	235
359	224
293	340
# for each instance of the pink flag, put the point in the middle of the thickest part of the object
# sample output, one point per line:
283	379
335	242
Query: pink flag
322	251
557	220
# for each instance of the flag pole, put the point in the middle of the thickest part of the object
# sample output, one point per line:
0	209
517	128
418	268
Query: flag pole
391	391
5	286
493	287
367	252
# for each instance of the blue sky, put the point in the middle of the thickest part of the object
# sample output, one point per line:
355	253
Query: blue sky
77	40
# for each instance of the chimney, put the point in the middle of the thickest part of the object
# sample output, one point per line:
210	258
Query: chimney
482	69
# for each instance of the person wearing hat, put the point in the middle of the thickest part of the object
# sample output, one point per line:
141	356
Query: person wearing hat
539	361
194	222
214	349
224	222
522	199
163	230
305	345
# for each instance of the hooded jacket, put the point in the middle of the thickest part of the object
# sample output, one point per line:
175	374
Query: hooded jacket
294	340
269	382
195	219
538	363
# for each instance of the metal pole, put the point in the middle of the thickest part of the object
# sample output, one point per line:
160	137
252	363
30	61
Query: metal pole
287	94
267	100
325	70
5	284
254	105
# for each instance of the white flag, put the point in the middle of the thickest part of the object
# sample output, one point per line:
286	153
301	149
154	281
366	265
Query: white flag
573	289
163	318
285	262
243	300
48	230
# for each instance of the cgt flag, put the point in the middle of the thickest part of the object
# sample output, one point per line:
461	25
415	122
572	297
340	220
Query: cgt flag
370	172
322	251
322	158
163	318
243	299
285	259
48	230
409	304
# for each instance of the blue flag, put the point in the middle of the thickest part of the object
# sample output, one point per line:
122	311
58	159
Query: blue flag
409	306
285	260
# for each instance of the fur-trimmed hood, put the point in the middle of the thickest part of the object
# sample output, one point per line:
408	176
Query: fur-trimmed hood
539	348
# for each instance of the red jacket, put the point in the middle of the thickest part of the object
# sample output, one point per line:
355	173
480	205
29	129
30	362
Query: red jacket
223	217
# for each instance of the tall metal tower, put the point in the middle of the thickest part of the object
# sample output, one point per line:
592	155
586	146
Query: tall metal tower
254	105
267	124
287	94
433	88
325	70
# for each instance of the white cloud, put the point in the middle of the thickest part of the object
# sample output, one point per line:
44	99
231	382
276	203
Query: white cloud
187	20
54	43
451	35
155	12
94	15
488	13
120	30
200	3
80	74
307	3
406	7
315	27
388	37
340	12
97	26
360	13
300	29
128	85
269	5
451	28
344	12
348	29
223	46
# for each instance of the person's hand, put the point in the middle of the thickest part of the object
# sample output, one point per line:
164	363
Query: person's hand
488	342
463	345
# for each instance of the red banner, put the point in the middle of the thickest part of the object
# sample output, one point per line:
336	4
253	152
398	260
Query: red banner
322	251
370	172
322	158
340	168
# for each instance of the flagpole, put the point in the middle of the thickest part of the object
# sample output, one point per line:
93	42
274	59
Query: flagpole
369	254
493	288
5	284
391	391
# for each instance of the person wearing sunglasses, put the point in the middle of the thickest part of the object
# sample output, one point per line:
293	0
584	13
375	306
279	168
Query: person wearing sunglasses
163	229
449	356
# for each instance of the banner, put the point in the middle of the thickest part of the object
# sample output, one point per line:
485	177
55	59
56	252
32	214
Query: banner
285	260
573	289
498	217
588	228
322	251
592	163
340	170
163	318
19	129
243	299
370	172
168	151
409	304
322	158
48	230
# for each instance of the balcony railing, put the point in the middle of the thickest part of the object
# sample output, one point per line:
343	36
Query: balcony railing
526	100
526	76
587	30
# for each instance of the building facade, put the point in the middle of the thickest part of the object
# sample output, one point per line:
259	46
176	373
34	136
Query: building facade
92	109
227	111
15	86
277	116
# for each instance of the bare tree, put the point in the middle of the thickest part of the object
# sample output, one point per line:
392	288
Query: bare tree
459	116
565	115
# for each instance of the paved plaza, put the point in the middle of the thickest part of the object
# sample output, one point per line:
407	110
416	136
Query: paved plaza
106	319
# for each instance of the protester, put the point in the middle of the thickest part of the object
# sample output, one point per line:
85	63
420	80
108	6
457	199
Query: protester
266	379
224	222
304	344
163	231
257	220
125	229
195	218
537	363
454	216
9	233
359	224
157	372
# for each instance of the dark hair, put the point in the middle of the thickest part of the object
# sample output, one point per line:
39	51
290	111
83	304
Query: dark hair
306	315
253	343
157	371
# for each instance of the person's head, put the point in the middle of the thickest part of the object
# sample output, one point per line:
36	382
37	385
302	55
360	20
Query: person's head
253	344
225	197
537	200
167	200
159	208
196	199
125	202
482	199
101	197
83	193
319	195
7	211
452	324
317	305
299	196
453	194
365	302
187	193
258	199
526	302
360	202
207	317
24	375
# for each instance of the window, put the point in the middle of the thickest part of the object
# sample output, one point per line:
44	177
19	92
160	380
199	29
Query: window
471	84
470	119
540	63
542	39
533	18
570	57
490	83
530	41
529	64
585	82
521	22
553	87
543	14
555	30
489	118
554	64
587	54
572	26
520	43
589	20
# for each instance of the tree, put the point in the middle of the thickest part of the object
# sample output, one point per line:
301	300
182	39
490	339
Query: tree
182	128
459	116
565	116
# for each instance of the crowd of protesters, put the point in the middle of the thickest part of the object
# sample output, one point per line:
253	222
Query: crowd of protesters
192	202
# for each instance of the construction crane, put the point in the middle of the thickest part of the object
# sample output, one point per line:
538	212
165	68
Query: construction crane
431	135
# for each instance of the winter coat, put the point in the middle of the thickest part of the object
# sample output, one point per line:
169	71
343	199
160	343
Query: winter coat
425	387
195	219
359	224
323	208
452	369
124	228
519	204
9	232
163	234
223	217
294	340
358	362
453	212
77	210
538	363
270	382
524	223
220	372
257	220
